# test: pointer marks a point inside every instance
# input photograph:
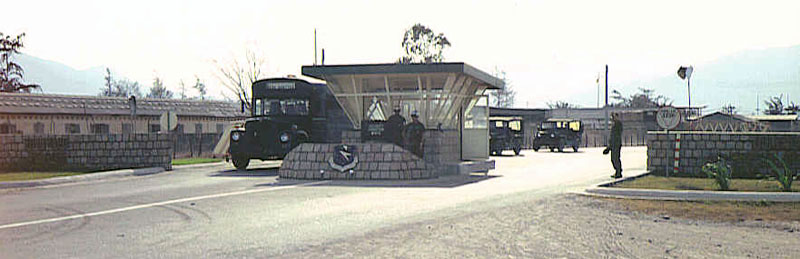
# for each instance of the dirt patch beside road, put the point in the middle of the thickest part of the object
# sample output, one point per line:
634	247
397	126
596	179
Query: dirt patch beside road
566	226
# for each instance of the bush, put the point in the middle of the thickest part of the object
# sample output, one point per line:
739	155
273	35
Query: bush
720	171
782	173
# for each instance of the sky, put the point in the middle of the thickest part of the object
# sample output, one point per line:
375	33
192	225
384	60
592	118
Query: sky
550	50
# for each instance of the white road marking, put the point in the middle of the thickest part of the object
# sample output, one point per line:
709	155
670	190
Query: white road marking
148	205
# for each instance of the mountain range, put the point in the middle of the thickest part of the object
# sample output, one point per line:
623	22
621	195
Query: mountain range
58	78
744	79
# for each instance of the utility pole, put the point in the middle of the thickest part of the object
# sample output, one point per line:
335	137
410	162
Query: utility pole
605	108
315	46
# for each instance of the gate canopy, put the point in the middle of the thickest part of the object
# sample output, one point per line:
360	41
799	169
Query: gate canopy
439	92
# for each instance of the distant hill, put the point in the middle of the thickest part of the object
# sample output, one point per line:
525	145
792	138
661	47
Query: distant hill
58	78
742	79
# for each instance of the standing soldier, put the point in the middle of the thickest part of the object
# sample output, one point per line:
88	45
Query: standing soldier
394	127
412	134
615	145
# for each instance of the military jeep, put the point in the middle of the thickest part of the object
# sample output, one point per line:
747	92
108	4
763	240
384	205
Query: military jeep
505	133
556	134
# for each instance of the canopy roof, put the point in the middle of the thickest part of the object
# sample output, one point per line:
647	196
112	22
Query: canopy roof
440	92
319	72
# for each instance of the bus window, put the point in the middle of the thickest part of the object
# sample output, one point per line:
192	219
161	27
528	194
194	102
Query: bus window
575	126
292	107
515	125
498	124
257	109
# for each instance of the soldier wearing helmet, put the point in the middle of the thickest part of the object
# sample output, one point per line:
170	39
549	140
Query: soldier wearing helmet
413	134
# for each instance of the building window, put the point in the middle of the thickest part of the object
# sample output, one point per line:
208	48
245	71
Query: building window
72	128
38	128
198	128
179	128
8	128
154	128
98	128
127	128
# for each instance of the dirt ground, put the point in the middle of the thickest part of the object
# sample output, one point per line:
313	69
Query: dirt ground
569	226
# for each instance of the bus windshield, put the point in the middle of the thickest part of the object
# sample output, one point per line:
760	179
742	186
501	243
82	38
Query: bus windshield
285	107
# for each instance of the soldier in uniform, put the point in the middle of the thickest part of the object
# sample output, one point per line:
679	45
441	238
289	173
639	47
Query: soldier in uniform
393	131
615	145
412	134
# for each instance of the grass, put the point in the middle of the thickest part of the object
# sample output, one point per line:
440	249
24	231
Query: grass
194	160
24	176
681	183
716	210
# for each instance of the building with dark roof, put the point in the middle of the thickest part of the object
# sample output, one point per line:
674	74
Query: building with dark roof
30	114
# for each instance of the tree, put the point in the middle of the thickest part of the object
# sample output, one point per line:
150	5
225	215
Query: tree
109	84
503	97
774	105
793	108
200	87
561	105
728	109
11	73
122	88
183	90
239	76
159	91
645	98
422	45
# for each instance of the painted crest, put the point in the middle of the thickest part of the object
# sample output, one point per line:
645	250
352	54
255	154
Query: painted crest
344	158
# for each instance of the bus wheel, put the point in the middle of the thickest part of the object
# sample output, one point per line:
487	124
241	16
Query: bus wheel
517	149
535	149
240	163
560	149
575	148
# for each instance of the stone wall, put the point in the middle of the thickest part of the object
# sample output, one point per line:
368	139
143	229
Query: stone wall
377	161
84	152
745	151
442	150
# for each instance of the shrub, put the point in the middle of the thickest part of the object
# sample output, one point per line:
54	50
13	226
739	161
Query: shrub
720	171
782	173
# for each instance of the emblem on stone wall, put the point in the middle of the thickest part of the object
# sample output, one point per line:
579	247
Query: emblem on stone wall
344	158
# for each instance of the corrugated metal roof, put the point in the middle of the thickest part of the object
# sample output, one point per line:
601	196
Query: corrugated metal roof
27	103
785	117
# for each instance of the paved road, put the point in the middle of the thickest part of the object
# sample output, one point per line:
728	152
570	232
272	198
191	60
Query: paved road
217	212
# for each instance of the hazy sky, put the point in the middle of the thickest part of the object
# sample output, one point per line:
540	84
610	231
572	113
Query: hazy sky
551	50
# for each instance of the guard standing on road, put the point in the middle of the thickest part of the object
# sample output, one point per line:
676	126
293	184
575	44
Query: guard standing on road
413	133
393	131
615	145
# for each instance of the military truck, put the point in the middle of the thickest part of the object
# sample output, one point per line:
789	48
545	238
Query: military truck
505	133
556	134
286	112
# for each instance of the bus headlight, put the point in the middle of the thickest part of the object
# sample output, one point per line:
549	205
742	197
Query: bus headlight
284	137
235	136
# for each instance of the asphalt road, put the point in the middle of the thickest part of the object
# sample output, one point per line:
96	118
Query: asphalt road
218	212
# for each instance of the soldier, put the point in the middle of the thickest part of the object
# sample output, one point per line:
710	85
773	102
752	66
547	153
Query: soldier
615	145
394	127
412	134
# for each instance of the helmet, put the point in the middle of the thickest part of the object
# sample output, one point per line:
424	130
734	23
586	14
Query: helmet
415	113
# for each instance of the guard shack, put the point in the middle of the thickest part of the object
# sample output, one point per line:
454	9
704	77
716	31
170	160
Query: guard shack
449	99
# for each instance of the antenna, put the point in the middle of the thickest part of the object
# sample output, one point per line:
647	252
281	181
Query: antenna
315	46
323	56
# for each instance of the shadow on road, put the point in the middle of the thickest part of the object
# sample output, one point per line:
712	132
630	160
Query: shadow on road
254	172
449	181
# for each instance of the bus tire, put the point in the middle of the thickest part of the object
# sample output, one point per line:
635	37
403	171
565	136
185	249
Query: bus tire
241	163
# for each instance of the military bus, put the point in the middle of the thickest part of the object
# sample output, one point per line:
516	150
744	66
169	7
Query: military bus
286	112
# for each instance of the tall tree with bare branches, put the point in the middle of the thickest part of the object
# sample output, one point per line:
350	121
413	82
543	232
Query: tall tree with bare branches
239	75
11	73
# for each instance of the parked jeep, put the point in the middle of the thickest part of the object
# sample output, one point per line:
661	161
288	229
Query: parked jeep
505	133
556	134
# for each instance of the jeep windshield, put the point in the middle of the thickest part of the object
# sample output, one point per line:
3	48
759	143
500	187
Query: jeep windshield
281	107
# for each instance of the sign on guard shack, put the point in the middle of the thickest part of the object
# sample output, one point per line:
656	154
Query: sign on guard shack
448	99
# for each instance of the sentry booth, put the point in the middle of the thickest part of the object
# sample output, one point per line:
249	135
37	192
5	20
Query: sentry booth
451	102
